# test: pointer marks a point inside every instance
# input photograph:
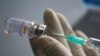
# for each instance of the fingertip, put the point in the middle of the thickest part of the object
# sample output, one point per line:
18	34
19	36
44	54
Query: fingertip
48	11
80	34
52	22
49	16
60	15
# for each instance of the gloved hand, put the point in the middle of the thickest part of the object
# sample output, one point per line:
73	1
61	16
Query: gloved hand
54	44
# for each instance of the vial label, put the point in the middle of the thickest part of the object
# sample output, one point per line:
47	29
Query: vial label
16	26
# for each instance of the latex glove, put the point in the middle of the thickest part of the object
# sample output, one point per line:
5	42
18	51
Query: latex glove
48	46
57	27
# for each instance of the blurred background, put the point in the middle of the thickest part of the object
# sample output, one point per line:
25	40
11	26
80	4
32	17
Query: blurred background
83	15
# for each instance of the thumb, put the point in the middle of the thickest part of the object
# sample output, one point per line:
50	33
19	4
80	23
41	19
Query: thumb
52	47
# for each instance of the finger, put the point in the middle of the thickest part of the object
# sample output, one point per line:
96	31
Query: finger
76	49
52	47
38	52
89	51
33	43
54	28
65	24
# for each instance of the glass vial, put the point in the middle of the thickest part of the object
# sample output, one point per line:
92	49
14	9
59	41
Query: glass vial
16	26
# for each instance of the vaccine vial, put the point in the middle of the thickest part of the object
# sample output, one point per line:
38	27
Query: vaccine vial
23	28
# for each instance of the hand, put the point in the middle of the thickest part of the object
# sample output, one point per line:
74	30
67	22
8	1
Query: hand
51	45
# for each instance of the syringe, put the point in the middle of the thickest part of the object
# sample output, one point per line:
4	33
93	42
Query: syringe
91	42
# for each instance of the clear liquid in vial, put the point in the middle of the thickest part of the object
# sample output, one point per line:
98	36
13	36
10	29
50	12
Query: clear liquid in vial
16	26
